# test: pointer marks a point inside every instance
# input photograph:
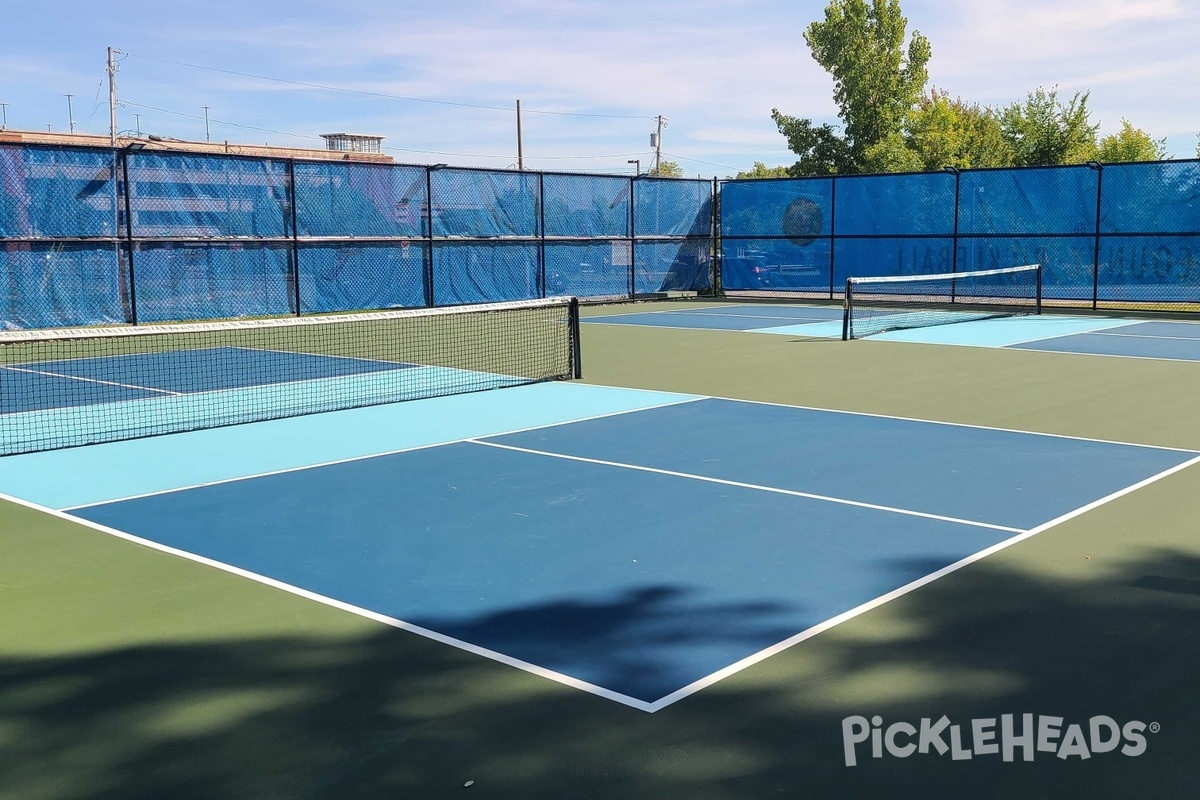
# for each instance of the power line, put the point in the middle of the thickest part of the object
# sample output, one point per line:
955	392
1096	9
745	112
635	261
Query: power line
385	95
698	161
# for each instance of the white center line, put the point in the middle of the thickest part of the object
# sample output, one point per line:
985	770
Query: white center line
90	380
739	484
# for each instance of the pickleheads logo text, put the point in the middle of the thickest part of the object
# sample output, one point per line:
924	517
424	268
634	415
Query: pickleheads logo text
1030	735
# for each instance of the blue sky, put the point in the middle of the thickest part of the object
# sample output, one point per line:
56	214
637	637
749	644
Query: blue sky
713	68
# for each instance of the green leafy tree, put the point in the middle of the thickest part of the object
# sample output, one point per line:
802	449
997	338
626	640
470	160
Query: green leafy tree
1043	130
1130	144
821	149
876	81
666	169
893	154
945	132
761	170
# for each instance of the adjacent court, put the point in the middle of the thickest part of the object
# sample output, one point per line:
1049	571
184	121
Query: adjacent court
1058	333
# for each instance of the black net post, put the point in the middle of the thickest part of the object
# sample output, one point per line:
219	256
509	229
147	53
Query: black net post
1038	305
576	347
847	300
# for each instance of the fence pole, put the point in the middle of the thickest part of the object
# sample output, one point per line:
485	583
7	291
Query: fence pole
133	313
541	278
295	270
428	237
954	242
632	242
832	230
715	240
1096	242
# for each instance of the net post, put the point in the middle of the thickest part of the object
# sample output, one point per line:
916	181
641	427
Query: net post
846	302
133	313
576	350
1038	304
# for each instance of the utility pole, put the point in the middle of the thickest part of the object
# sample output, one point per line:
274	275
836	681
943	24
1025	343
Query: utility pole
112	99
207	138
658	145
3	116
137	121
70	113
520	145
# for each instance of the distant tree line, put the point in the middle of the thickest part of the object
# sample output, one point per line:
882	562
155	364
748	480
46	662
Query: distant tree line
893	122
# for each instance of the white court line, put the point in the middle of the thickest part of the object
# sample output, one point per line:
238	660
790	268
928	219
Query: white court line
773	489
90	380
1043	338
376	455
595	321
392	364
1025	347
534	669
1148	336
583	318
599	691
763	316
930	421
845	616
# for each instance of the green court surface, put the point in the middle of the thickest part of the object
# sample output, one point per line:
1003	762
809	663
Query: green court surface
130	673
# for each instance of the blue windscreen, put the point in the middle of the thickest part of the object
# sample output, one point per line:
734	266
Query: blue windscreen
45	285
861	258
210	281
672	266
588	269
1162	197
917	204
176	196
1028	201
586	206
775	265
478	203
348	277
484	272
801	208
342	199
1067	261
672	207
57	192
1150	268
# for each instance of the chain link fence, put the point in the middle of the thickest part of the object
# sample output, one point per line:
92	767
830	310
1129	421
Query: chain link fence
97	236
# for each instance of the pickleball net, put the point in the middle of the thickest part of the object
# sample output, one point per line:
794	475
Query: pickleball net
876	305
64	388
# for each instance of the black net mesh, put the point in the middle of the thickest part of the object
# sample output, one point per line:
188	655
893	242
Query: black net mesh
67	388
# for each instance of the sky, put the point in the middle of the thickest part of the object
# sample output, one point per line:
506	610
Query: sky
440	78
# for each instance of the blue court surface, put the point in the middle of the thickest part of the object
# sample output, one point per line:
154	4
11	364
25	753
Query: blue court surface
1081	335
637	545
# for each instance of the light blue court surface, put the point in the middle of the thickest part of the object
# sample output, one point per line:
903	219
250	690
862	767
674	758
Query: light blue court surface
590	533
1177	341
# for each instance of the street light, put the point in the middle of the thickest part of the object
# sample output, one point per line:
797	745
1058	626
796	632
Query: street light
637	165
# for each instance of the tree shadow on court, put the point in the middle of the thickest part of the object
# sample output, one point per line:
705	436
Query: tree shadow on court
392	715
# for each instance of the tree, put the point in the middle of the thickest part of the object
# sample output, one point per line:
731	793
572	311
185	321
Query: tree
1130	144
761	170
1045	131
822	151
945	132
876	81
666	169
